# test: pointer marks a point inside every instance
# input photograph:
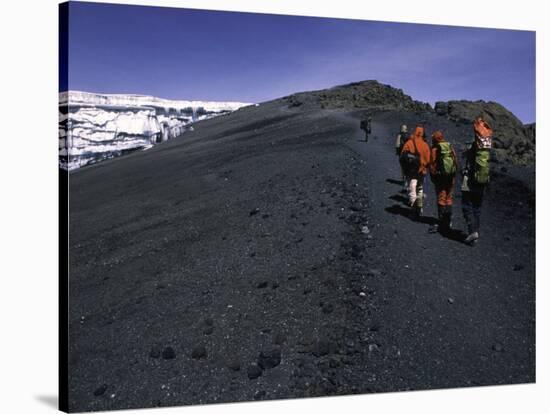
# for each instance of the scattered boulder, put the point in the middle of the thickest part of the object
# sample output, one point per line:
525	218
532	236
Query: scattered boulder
327	308
234	365
155	352
168	353
374	348
269	358
321	348
101	390
253	371
258	395
199	352
279	338
498	348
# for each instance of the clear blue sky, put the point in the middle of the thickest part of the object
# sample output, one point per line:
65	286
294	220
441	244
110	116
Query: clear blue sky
204	55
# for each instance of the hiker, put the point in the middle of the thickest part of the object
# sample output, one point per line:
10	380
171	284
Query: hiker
402	137
365	126
415	159
443	168
475	177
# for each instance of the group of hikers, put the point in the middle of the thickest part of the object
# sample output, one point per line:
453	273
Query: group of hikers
418	159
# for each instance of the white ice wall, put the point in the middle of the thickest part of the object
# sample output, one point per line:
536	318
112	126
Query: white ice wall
93	127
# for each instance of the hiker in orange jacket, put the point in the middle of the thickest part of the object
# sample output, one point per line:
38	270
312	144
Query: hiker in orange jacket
443	168
415	159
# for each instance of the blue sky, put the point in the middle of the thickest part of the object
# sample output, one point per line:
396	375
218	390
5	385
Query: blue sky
204	55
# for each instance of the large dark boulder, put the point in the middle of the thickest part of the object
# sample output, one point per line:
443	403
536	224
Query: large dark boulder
512	141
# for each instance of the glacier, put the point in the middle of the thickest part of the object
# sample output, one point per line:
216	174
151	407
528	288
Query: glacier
94	127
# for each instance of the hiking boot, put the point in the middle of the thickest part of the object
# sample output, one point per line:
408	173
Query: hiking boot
445	220
472	238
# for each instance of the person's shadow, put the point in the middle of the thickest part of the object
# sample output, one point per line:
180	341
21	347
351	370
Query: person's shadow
408	213
452	234
396	182
401	198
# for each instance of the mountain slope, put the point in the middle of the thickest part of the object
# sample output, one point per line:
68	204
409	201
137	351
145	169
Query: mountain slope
242	244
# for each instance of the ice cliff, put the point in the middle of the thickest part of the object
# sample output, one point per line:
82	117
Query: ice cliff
94	127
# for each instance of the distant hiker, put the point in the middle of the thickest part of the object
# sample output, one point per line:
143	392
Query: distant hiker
443	168
365	126
476	177
415	159
402	137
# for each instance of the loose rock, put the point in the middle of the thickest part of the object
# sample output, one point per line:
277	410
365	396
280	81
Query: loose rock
199	352
234	365
498	348
269	358
253	371
168	353
328	308
155	352
259	395
321	348
101	390
279	339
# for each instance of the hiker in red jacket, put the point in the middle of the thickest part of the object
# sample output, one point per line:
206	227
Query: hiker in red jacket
415	159
443	167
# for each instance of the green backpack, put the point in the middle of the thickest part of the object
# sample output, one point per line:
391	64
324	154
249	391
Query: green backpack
445	162
481	168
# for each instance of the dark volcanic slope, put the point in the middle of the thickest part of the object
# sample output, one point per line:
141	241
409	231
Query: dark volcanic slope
240	244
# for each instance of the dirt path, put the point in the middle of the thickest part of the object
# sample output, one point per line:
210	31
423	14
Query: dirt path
448	314
239	245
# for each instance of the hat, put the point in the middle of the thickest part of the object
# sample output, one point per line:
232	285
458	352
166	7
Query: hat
437	136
